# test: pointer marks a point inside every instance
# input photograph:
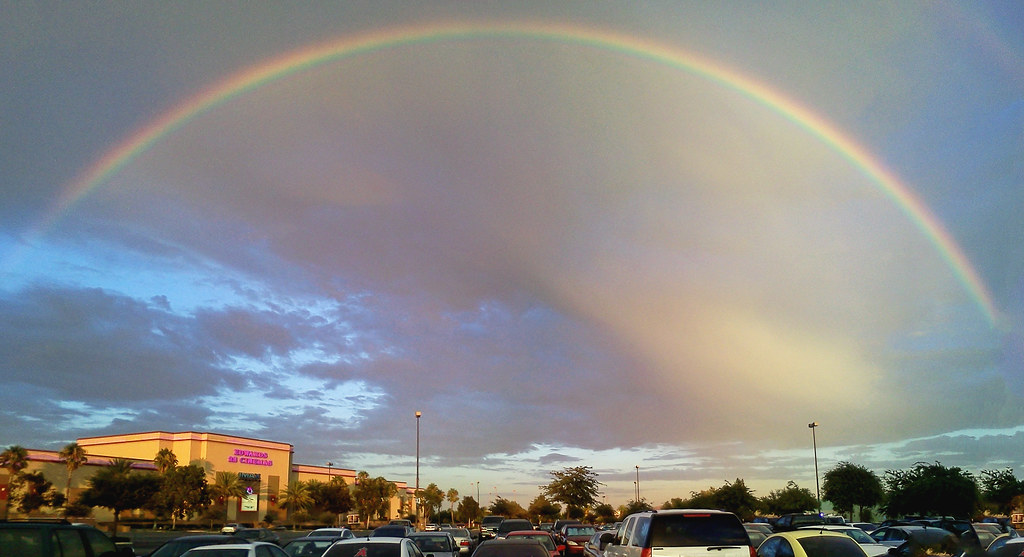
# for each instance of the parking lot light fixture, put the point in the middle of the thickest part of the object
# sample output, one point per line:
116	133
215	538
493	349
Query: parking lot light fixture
814	444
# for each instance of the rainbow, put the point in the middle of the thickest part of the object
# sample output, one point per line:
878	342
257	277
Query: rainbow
247	80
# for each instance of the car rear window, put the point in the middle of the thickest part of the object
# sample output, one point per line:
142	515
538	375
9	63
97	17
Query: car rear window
830	547
697	530
364	550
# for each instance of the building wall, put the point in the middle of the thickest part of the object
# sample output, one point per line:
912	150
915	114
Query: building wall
266	466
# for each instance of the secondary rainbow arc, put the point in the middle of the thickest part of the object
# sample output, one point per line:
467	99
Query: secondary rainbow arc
887	182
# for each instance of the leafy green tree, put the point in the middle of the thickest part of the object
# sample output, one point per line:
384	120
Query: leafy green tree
14	459
469	509
543	509
508	508
453	497
295	498
73	457
226	486
119	488
1000	488
674	503
736	498
847	485
604	513
635	507
791	499
35	492
336	498
430	499
372	496
183	492
576	487
165	460
931	489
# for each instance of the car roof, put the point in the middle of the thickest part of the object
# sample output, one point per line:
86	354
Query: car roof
808	533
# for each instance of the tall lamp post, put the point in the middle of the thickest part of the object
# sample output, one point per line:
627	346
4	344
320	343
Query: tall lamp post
416	497
814	443
637	483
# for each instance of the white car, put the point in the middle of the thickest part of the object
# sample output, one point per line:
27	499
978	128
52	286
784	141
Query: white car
436	544
867	543
230	528
254	549
374	547
340	533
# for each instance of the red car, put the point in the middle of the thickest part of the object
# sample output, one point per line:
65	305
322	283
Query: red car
574	536
543	537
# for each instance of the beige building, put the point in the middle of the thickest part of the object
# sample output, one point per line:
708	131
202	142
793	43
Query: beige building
265	467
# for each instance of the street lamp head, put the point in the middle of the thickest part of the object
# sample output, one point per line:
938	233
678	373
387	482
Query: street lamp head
812	425
418	414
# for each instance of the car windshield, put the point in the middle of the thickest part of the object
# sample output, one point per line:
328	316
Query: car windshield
307	548
858	535
542	538
218	552
430	544
579	531
690	530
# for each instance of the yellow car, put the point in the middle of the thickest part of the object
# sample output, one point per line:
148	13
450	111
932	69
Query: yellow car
809	543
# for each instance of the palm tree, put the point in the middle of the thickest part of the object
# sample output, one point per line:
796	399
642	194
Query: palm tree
165	460
14	459
295	497
226	485
453	497
73	456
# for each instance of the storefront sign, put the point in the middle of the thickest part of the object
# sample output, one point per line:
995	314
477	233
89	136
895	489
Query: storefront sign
250	502
244	456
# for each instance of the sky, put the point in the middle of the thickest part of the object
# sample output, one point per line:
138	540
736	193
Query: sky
657	239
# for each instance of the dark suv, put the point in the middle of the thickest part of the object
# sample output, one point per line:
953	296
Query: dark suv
680	533
57	539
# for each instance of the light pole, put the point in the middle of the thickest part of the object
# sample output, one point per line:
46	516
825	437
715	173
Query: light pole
416	496
637	483
814	443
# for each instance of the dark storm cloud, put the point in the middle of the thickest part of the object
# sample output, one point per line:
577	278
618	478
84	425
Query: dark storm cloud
130	351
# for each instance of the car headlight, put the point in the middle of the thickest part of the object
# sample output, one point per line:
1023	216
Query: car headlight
573	543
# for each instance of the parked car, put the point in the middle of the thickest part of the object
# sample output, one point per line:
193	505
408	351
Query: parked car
489	526
1006	547
573	536
309	546
431	527
894	536
436	543
678	532
339	533
231	528
463	538
392	531
792	521
866	526
259	535
56	539
594	547
755	534
543	537
178	546
374	547
809	543
254	549
512	525
511	548
867	543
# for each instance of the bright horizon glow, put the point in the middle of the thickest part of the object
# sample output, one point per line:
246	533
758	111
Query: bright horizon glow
254	77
